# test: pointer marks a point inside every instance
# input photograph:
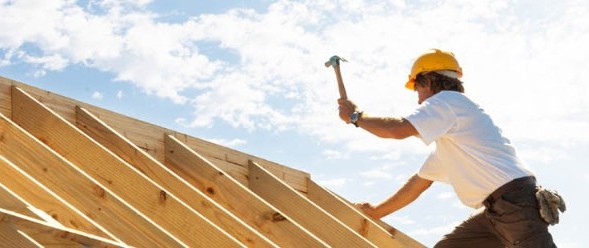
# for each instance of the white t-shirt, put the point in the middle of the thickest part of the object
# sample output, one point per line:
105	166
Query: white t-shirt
471	153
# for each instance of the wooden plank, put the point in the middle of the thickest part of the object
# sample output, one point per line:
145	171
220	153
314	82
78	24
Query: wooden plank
11	201
5	103
35	194
135	189
49	235
160	174
76	188
232	195
302	210
356	220
11	237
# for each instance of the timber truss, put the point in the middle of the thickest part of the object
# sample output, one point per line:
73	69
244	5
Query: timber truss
72	174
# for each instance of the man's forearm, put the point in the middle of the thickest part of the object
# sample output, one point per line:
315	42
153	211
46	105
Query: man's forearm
387	127
405	195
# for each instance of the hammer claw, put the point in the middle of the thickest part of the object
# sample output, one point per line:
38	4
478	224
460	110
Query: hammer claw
334	61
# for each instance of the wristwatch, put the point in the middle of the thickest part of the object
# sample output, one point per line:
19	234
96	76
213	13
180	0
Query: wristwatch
355	117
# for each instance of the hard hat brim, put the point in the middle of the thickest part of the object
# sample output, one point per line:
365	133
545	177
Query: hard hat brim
410	84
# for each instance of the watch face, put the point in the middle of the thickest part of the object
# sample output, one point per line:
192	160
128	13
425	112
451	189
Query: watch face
354	117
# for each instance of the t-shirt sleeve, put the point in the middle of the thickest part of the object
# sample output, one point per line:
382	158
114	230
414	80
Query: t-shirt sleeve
432	119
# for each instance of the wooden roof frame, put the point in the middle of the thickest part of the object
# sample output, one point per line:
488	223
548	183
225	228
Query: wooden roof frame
101	179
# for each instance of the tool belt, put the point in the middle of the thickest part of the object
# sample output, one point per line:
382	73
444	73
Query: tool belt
549	201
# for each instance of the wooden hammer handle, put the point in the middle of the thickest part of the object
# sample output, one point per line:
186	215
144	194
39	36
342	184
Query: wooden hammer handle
340	83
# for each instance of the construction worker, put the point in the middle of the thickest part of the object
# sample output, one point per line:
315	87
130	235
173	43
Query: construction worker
472	155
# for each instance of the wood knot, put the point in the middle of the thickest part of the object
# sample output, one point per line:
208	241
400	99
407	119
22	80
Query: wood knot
278	217
99	191
210	191
163	196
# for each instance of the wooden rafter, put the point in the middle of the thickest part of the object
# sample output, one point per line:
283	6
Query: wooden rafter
46	234
12	237
12	201
35	194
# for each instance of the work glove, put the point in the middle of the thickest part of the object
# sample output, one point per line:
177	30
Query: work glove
550	203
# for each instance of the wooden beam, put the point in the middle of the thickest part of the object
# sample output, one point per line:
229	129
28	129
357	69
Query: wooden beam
302	210
232	195
77	189
46	234
356	220
5	106
9	200
11	237
35	194
135	189
165	177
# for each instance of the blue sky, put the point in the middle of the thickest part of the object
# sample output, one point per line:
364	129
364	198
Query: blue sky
250	75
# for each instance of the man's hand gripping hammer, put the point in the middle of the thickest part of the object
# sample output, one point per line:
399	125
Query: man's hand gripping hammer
334	62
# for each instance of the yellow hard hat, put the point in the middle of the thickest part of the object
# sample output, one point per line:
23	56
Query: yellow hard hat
433	60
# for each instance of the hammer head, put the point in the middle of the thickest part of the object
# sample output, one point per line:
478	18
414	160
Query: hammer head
334	61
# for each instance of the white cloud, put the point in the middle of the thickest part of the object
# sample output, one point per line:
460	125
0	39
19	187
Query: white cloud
438	231
120	94
333	154
404	219
369	183
333	183
273	78
47	63
542	154
446	195
377	173
97	95
228	143
402	178
459	205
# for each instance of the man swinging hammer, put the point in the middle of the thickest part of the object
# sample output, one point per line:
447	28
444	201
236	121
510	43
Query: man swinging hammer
472	155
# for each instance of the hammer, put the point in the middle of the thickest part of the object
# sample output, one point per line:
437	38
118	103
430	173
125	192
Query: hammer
334	62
